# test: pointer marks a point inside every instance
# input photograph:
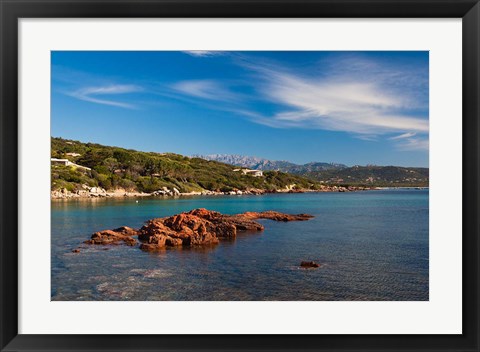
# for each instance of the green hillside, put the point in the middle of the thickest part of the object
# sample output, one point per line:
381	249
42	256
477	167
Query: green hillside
119	168
380	176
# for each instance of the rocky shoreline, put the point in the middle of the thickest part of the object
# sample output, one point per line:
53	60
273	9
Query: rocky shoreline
198	227
97	192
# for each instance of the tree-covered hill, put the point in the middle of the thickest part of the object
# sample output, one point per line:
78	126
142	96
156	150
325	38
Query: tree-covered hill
119	168
380	176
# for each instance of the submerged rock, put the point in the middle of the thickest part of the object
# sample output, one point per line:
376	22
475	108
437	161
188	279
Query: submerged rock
310	264
275	215
194	228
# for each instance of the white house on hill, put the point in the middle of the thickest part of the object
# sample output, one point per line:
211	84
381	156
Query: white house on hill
66	162
254	173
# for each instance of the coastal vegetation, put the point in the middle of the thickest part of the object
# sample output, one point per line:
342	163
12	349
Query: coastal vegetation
378	176
118	168
77	166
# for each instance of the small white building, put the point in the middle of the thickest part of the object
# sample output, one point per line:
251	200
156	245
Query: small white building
254	173
66	162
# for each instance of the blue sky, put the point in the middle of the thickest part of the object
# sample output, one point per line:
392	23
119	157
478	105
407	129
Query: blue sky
355	108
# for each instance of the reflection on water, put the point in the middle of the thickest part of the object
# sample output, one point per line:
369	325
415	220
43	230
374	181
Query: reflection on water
372	246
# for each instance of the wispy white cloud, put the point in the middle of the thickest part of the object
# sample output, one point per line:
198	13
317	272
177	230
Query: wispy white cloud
352	95
206	89
410	84
408	144
202	53
355	106
92	94
402	136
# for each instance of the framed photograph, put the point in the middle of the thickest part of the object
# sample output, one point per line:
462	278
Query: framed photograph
198	175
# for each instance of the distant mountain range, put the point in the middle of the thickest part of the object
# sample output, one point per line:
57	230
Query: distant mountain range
255	163
333	173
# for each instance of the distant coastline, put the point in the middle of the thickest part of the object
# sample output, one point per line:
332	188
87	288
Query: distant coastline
87	170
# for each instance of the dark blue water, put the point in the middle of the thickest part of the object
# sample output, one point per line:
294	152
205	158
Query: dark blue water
372	245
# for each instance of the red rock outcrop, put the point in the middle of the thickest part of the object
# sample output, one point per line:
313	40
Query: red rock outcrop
194	228
123	234
179	230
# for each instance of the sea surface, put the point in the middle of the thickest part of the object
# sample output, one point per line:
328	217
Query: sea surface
372	245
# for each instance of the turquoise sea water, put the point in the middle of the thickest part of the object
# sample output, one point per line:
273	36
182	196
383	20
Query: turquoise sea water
372	245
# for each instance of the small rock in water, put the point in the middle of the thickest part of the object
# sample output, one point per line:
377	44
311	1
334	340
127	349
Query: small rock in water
310	264
76	251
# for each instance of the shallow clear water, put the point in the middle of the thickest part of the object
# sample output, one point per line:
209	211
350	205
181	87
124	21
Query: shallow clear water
372	245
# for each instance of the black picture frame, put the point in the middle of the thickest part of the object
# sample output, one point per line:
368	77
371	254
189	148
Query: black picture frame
11	11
